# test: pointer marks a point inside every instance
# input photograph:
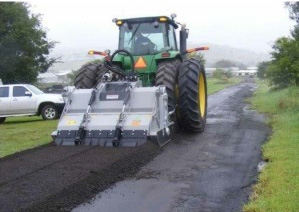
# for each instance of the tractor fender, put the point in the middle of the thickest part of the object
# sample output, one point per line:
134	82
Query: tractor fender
173	55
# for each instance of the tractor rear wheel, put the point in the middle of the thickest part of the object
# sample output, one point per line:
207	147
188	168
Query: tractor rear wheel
86	78
167	74
192	96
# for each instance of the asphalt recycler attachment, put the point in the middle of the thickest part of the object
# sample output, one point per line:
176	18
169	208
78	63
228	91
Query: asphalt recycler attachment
81	132
116	114
118	130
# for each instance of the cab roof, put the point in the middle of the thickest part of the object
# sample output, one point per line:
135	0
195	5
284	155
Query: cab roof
149	19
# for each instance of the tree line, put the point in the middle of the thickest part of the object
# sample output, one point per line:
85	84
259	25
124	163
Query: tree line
24	46
283	69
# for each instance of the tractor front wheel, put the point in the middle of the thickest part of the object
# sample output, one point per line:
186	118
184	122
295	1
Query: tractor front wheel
86	77
192	96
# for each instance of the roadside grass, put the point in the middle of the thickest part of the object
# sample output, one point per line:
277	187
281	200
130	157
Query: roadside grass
21	133
215	85
278	185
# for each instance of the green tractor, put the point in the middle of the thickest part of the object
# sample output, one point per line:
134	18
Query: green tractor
128	88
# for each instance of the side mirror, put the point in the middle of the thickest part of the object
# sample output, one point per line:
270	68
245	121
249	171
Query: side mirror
27	93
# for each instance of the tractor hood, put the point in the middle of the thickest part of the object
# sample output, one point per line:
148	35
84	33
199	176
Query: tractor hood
145	64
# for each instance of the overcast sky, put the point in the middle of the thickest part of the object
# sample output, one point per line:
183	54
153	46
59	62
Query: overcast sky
252	25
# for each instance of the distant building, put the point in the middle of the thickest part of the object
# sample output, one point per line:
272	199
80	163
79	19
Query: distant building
209	71
252	68
62	75
250	71
47	78
50	77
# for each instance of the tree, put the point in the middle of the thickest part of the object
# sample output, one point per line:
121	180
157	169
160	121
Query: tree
241	66
229	64
262	69
198	56
293	7
24	47
224	64
222	74
284	68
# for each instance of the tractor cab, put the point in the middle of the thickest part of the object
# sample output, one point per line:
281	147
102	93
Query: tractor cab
149	40
147	36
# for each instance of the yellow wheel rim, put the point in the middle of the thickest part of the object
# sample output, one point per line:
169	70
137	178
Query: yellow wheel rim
202	95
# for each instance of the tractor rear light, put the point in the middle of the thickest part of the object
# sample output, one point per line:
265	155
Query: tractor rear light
165	54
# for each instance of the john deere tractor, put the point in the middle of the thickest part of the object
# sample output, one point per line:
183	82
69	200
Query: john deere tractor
145	90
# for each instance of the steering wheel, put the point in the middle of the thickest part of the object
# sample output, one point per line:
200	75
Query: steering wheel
128	54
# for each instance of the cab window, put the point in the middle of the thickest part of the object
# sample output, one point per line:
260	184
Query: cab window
4	92
19	91
143	38
171	37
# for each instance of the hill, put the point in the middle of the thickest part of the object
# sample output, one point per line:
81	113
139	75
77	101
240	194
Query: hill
219	52
73	59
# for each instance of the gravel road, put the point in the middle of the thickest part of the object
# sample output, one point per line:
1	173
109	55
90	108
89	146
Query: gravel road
211	171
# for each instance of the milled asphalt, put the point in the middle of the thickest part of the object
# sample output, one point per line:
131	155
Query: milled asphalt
208	172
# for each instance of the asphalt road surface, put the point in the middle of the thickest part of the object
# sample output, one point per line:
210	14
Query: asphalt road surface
209	172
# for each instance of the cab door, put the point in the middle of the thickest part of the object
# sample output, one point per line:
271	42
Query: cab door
4	101
23	100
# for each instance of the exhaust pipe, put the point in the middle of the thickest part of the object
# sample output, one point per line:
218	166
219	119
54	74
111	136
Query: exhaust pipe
183	41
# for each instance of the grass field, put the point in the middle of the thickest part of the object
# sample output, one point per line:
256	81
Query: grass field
278	187
21	133
215	85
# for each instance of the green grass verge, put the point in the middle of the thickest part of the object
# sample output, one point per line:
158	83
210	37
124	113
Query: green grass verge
278	187
21	133
215	85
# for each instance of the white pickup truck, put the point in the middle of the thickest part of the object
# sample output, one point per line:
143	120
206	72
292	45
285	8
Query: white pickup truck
28	100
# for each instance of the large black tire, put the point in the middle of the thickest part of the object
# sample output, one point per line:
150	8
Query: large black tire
49	112
86	78
2	119
101	70
167	74
192	96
